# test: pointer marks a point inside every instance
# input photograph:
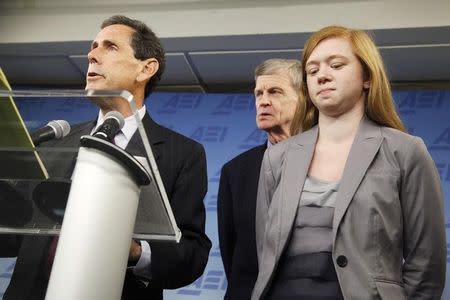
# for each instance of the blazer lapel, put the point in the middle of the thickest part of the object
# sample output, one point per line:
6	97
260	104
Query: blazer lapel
365	146
297	162
283	208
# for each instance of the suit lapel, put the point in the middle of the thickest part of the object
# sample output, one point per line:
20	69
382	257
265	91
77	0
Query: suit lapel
365	146
297	162
155	137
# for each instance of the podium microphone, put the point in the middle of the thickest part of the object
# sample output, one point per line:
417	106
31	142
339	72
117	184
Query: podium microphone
53	130
114	121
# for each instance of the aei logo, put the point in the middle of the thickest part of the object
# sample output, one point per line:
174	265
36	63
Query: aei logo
211	203
442	142
211	280
215	252
181	102
210	134
215	177
417	100
444	171
235	103
255	138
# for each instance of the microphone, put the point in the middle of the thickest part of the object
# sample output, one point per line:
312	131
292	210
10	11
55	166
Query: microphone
53	130
114	121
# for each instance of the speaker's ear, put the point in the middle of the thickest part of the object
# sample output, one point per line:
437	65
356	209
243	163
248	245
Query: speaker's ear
149	68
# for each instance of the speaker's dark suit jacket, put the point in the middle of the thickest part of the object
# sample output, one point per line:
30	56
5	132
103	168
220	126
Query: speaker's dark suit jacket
182	165
236	206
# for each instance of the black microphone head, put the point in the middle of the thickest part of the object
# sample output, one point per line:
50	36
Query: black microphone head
61	128
116	115
113	123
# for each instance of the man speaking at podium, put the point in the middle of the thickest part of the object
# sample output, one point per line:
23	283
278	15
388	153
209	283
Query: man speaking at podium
127	55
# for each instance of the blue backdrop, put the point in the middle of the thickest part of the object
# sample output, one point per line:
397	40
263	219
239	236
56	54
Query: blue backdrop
225	125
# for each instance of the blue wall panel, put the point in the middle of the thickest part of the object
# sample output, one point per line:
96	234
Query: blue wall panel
225	125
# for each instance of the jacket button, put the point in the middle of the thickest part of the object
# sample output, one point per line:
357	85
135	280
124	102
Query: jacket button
341	261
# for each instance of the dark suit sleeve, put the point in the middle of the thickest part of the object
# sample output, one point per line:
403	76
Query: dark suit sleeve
176	265
227	236
10	245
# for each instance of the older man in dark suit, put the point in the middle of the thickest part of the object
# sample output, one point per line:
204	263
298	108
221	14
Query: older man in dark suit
126	55
277	93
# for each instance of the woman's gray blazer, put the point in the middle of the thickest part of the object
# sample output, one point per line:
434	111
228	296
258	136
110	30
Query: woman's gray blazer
388	227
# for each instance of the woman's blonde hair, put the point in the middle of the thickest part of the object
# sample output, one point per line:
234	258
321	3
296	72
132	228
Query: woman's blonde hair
379	104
